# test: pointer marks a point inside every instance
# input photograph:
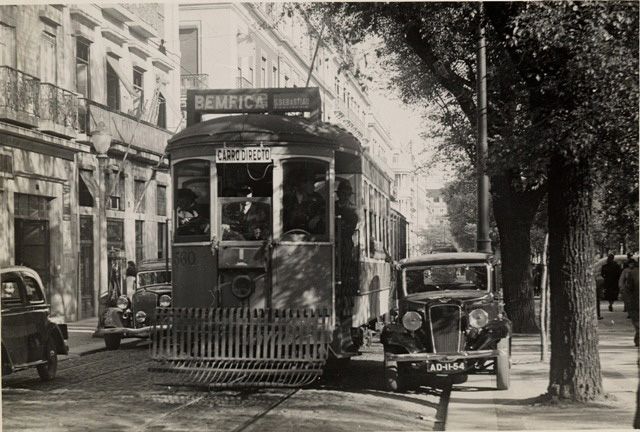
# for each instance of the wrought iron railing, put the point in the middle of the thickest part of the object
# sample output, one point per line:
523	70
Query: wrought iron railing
242	82
58	105
193	81
19	92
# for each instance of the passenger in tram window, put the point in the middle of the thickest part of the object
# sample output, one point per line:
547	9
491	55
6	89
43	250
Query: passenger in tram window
191	220
303	207
253	217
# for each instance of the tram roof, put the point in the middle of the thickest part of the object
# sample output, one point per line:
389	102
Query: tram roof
249	129
446	258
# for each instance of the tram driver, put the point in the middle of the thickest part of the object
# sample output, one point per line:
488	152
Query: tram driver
191	220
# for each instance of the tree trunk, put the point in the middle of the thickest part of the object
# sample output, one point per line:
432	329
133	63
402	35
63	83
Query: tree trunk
575	363
514	212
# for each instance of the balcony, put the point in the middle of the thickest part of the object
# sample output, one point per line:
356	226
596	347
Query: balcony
19	97
193	81
242	82
58	111
147	140
349	119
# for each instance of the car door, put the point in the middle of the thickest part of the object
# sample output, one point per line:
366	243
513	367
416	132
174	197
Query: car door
14	329
36	316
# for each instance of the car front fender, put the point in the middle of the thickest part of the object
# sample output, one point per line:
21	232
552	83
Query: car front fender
58	336
113	318
397	339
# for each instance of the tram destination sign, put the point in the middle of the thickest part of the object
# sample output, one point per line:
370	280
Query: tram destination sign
243	155
252	100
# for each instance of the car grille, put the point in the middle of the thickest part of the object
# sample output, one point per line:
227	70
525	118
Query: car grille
146	301
445	323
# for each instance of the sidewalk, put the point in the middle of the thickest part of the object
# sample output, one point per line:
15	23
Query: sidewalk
476	405
81	340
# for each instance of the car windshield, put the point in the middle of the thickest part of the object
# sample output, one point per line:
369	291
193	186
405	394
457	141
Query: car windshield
153	278
446	277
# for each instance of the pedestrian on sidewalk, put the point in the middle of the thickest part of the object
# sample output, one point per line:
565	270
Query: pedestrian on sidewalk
630	294
611	274
131	274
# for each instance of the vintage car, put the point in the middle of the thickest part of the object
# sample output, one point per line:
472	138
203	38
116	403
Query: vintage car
449	322
134	316
29	337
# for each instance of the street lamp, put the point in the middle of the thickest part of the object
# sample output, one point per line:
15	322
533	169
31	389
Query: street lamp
101	140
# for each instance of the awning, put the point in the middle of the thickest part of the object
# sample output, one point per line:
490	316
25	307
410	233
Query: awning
123	78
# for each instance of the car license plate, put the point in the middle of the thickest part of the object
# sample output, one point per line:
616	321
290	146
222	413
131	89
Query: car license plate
445	367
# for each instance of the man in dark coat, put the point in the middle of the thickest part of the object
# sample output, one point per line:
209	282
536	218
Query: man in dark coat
611	274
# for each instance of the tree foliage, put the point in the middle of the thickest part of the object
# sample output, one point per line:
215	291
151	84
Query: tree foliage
563	92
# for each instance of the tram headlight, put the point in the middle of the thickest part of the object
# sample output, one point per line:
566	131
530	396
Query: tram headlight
478	318
241	286
412	321
122	302
165	300
141	316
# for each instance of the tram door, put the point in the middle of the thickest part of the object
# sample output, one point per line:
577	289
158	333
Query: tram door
244	214
302	256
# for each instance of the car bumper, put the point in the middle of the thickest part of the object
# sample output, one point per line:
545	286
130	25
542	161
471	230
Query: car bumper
441	357
131	332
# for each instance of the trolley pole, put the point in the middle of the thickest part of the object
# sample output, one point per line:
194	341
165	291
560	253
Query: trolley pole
483	243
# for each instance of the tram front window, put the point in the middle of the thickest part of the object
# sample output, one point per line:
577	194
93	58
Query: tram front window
192	199
304	203
244	196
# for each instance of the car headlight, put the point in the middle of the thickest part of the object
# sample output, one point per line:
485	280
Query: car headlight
165	300
478	318
412	321
141	316
123	302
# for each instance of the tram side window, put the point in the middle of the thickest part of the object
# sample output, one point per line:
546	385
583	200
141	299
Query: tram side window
305	198
192	199
244	201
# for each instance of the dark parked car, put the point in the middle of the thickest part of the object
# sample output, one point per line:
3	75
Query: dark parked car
449	321
29	337
136	316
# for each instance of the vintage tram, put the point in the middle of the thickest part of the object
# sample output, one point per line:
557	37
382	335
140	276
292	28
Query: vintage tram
282	245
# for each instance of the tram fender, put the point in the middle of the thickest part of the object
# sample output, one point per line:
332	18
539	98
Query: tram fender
396	335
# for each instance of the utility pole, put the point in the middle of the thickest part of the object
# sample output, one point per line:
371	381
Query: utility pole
483	243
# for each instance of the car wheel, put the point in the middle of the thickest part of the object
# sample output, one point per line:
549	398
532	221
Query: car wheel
112	341
503	371
392	380
48	370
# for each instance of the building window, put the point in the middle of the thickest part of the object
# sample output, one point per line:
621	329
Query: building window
113	88
138	87
189	50
85	197
7	45
263	73
139	188
139	240
161	200
162	111
48	56
162	239
116	192
274	77
83	84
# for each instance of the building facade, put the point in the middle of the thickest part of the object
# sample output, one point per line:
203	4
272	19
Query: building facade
258	45
68	72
